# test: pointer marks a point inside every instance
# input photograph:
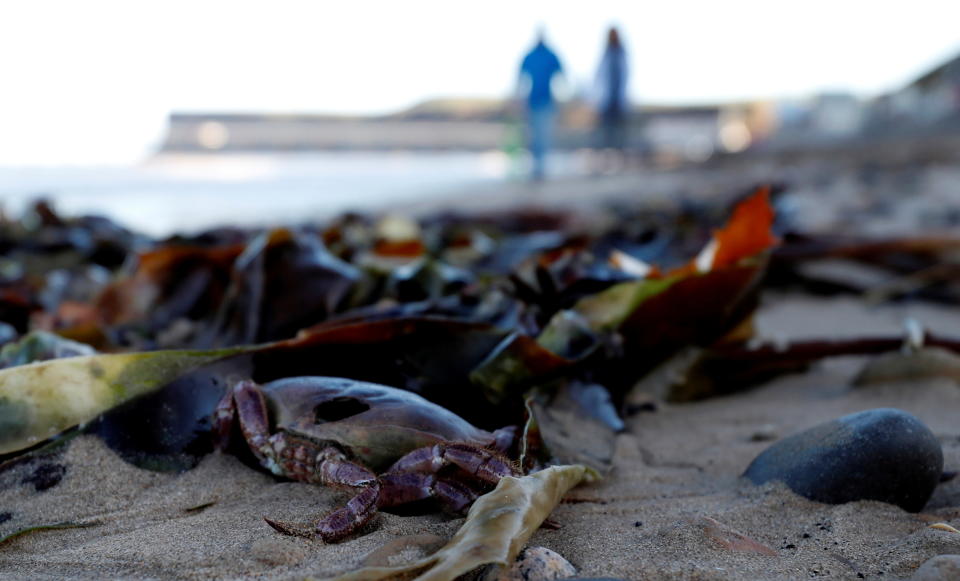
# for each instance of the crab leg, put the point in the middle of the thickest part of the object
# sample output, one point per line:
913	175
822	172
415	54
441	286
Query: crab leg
246	403
341	522
483	464
331	468
223	417
412	477
344	521
402	488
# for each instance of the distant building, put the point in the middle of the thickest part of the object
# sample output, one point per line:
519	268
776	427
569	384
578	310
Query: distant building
837	114
821	119
936	94
928	105
215	132
931	101
685	133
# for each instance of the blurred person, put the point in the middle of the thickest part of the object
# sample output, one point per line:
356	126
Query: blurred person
611	82
537	71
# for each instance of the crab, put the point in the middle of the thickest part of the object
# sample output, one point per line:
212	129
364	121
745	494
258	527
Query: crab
392	446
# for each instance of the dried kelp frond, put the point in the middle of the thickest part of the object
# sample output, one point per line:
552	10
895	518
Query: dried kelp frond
476	351
282	281
576	423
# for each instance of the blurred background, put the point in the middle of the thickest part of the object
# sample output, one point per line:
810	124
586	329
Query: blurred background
178	116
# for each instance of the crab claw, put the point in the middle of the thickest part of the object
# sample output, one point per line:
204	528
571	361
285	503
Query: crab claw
344	521
288	528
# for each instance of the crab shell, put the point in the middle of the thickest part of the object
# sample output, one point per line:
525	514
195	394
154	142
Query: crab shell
374	424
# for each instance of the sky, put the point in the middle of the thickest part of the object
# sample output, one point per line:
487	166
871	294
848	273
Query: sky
92	81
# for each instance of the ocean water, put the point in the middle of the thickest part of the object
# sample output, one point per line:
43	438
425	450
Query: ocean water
188	193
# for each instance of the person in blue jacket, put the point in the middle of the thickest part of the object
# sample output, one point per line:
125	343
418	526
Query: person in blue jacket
537	71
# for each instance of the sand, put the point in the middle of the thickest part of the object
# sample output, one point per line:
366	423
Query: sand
675	468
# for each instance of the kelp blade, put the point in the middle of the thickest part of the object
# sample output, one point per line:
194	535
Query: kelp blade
40	400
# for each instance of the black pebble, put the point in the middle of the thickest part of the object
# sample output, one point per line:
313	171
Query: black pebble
882	454
5	516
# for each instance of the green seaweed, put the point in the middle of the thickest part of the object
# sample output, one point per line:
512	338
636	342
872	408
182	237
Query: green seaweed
607	310
50	527
516	363
40	400
14	416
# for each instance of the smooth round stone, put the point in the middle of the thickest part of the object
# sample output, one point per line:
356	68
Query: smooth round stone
939	568
882	454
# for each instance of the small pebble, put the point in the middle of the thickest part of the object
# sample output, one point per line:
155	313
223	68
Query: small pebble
533	564
939	568
881	454
764	433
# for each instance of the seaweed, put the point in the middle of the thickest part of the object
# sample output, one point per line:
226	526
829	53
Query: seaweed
48	527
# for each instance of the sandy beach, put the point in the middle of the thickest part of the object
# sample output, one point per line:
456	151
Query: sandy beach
674	506
674	468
